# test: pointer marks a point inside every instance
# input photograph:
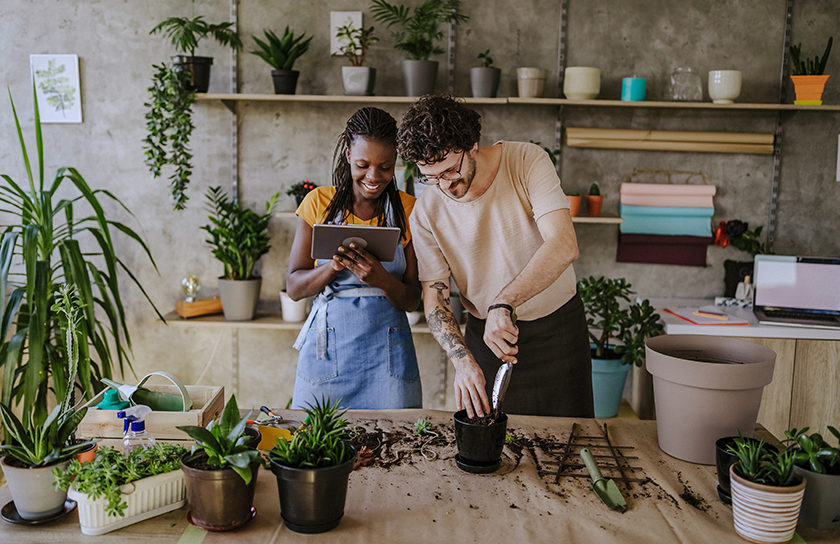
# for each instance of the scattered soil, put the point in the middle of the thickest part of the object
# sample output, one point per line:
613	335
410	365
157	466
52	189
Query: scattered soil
689	496
402	445
489	419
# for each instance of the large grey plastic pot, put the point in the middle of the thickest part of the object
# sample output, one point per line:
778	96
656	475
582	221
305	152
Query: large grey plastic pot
239	298
821	506
33	491
484	81
420	76
705	388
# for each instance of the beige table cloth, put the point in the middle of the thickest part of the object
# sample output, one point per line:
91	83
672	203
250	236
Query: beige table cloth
406	496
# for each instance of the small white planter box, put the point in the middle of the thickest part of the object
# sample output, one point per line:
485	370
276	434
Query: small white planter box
146	498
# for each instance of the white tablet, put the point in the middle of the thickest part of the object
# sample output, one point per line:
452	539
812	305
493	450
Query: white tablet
381	242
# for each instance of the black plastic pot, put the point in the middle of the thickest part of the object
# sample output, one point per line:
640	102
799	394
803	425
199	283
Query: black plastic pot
479	446
312	499
725	459
195	70
285	81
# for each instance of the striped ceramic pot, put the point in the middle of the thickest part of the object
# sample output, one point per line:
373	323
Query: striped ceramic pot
765	513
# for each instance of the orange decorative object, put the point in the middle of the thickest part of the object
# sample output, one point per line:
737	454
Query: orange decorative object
593	204
87	456
575	208
809	89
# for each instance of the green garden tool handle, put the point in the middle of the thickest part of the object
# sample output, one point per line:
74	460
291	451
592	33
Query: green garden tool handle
591	465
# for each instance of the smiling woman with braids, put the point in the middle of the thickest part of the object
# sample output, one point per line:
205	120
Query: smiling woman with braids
356	344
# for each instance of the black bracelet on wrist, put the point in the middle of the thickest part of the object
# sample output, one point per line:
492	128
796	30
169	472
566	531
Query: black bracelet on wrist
507	307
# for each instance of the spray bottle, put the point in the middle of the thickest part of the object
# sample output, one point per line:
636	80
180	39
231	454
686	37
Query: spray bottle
134	428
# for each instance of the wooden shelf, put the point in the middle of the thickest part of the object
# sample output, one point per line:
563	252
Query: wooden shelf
604	219
262	321
230	98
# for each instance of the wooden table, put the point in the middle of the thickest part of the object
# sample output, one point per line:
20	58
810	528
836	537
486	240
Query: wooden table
406	497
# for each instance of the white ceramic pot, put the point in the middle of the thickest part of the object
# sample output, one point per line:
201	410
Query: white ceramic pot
530	82
293	311
414	317
358	80
765	513
581	82
724	86
33	491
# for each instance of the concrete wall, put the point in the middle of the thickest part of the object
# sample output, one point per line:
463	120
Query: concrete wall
284	143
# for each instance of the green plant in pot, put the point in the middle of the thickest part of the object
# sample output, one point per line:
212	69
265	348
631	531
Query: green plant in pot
221	471
313	468
594	200
808	75
764	481
171	96
32	448
418	36
484	79
357	78
281	53
819	463
611	317
238	238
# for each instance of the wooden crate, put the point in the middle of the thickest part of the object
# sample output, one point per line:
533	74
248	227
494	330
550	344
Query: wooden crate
208	403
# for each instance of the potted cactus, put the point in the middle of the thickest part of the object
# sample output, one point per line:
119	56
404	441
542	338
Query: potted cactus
807	75
594	200
484	79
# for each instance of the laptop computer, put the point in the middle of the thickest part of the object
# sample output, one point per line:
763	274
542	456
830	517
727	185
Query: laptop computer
797	291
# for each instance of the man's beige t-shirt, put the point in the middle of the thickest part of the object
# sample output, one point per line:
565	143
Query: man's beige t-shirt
483	244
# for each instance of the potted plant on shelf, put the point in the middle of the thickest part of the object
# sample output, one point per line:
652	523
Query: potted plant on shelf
300	189
418	37
738	234
35	445
358	79
184	35
238	238
281	53
808	76
221	471
610	315
116	490
594	200
484	79
819	463
766	492
312	470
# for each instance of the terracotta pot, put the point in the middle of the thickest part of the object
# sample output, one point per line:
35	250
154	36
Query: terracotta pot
705	389
809	89
593	204
765	513
87	455
575	205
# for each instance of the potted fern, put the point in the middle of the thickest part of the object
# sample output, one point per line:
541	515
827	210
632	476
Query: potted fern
819	463
357	78
808	75
484	79
221	471
281	53
238	238
313	469
418	36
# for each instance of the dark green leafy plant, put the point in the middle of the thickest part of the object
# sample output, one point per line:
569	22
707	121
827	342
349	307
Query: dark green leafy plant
609	314
762	465
812	452
419	32
552	154
110	470
809	67
238	236
184	33
594	190
356	42
169	125
224	441
323	441
281	53
486	60
300	189
48	224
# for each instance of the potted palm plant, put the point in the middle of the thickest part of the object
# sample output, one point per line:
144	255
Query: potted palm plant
357	78
766	492
808	76
484	79
313	468
281	53
418	37
221	471
34	446
819	463
238	238
610	315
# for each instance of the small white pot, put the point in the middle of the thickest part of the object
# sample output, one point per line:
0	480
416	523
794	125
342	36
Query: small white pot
724	86
581	82
414	317
764	513
358	80
293	311
33	491
530	82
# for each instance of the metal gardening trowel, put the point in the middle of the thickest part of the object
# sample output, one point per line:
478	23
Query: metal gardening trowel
606	490
500	385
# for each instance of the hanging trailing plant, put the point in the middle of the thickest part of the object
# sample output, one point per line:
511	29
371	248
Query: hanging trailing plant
169	124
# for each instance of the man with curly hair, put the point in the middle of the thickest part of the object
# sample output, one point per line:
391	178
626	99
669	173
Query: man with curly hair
497	222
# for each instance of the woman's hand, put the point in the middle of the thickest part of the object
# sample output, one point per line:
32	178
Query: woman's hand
364	265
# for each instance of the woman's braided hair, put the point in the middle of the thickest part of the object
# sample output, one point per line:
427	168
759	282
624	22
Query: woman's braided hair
435	125
373	124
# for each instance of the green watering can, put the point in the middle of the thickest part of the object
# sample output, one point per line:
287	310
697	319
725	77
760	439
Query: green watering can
157	401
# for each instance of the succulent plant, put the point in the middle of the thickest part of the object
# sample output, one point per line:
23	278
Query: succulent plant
809	67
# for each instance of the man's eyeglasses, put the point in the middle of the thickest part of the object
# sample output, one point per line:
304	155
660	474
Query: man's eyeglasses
448	175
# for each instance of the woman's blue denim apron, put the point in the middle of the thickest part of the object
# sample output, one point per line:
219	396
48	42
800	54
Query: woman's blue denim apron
356	347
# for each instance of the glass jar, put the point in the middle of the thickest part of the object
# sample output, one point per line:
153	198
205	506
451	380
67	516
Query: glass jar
686	85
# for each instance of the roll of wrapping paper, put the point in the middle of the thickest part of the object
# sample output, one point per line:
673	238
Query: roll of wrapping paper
697	147
661	140
632	188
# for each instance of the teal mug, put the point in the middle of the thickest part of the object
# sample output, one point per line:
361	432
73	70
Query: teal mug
633	89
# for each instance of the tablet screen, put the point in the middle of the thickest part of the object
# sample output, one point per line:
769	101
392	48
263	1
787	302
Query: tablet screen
381	242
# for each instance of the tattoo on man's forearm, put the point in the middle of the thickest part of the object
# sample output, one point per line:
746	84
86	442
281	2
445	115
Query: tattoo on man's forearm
440	287
443	325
